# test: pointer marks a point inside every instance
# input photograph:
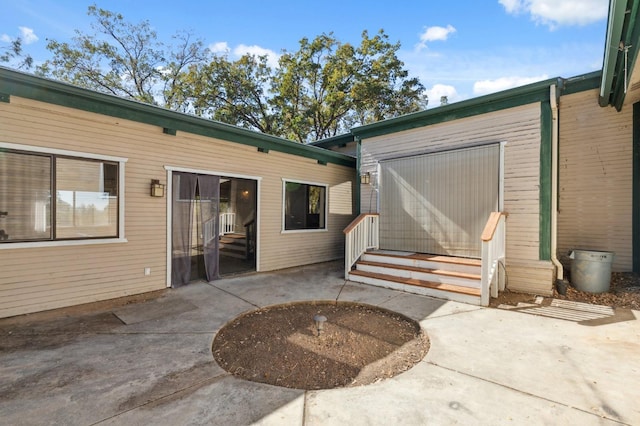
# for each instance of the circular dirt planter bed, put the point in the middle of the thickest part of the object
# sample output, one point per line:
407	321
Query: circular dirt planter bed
359	344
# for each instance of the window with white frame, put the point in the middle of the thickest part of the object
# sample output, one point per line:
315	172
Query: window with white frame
305	206
47	196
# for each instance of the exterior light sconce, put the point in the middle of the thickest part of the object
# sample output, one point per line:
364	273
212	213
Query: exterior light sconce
157	189
245	194
365	178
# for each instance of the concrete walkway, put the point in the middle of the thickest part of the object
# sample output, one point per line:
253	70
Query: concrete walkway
151	363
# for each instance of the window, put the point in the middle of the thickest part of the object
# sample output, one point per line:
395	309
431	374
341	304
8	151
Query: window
304	206
86	204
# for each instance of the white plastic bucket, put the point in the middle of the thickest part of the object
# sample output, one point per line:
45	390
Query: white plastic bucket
591	270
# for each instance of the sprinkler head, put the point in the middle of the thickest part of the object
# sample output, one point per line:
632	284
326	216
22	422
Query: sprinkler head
319	320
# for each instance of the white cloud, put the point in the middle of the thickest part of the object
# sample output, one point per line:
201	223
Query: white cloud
434	34
555	13
485	87
438	91
219	47
242	49
27	35
272	57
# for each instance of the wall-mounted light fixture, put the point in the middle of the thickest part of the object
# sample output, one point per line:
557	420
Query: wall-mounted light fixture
157	189
245	194
365	178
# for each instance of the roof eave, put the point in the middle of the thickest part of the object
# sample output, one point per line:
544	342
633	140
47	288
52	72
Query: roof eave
621	40
15	83
522	95
340	140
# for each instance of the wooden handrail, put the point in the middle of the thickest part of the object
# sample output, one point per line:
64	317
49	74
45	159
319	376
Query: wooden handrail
492	225
357	220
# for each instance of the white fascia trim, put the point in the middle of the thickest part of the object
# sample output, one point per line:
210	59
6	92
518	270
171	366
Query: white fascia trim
45	150
301	231
62	243
210	172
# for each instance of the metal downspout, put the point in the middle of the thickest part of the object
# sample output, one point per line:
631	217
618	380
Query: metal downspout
554	182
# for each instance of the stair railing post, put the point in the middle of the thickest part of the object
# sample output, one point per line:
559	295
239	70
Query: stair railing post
358	238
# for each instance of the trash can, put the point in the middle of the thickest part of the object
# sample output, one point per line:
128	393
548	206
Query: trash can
591	270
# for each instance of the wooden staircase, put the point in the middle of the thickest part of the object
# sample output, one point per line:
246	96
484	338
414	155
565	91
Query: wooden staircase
451	278
233	245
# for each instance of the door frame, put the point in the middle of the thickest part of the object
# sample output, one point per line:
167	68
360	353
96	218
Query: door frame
169	195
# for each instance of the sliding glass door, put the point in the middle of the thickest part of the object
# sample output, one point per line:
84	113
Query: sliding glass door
213	227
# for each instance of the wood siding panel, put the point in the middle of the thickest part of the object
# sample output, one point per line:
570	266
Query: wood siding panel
528	277
595	179
41	278
519	128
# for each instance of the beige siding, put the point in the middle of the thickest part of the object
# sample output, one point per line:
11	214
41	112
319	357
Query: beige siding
526	277
595	176
520	129
42	278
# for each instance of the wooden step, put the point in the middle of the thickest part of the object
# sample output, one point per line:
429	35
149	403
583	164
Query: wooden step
429	258
425	261
233	236
442	272
468	291
232	247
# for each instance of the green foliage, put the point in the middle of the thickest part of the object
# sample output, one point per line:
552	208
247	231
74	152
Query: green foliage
323	89
12	53
122	59
233	92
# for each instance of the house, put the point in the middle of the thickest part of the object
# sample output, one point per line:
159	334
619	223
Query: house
102	197
553	158
457	202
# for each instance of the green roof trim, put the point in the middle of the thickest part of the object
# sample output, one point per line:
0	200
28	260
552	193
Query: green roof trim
546	123
535	92
580	83
623	34
635	190
54	92
340	140
357	193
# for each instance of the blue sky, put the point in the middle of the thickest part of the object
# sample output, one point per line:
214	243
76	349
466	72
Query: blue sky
460	49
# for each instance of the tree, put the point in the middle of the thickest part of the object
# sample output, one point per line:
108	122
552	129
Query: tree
233	92
12	53
323	89
123	59
327	87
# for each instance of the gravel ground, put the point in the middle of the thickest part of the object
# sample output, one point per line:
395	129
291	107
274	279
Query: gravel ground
624	292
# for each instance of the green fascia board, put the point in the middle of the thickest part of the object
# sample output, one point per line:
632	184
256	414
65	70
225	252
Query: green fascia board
58	93
535	92
612	53
545	194
631	38
635	188
580	83
340	140
357	193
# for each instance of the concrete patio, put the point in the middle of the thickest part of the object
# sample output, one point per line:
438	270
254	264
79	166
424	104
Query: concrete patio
151	363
